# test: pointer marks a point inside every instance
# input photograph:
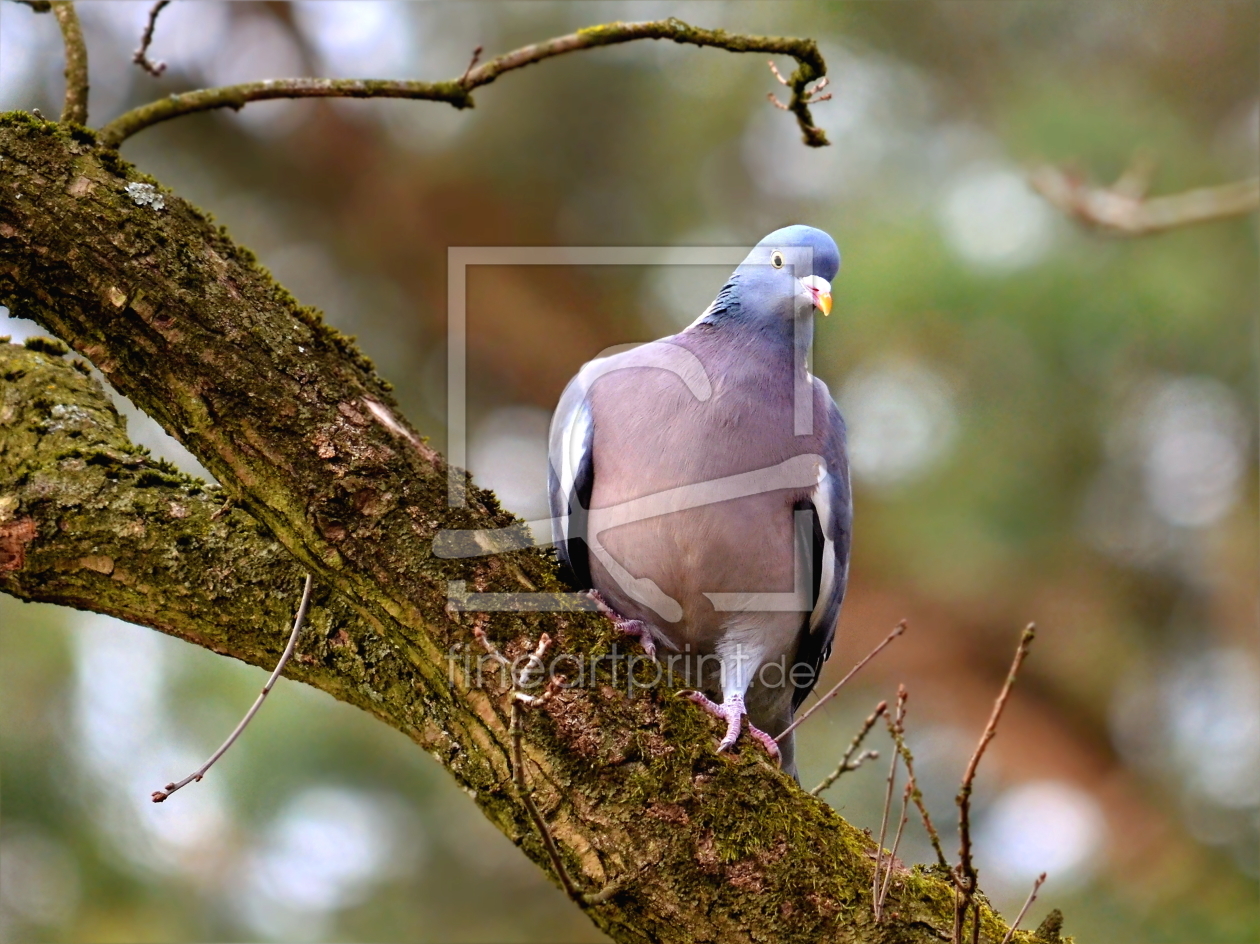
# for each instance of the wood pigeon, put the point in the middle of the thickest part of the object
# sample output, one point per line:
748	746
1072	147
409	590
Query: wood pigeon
699	486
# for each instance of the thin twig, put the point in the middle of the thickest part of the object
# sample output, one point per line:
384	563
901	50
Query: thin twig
965	872
141	58
892	855
476	57
898	733
901	628
457	92
846	762
526	794
1124	209
1136	179
883	832
303	607
75	111
39	6
877	901
1032	896
520	701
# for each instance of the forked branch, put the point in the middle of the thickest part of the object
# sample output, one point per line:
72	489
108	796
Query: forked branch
141	58
848	762
1124	209
897	731
965	871
303	607
458	92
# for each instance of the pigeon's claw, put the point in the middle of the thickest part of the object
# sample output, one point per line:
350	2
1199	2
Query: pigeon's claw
732	711
630	627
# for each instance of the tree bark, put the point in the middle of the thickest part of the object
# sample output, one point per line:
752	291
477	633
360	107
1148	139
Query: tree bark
326	475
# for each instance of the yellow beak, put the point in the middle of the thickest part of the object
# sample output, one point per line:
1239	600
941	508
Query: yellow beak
819	291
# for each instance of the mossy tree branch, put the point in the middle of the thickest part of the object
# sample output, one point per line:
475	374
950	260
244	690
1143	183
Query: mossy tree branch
307	441
458	91
89	520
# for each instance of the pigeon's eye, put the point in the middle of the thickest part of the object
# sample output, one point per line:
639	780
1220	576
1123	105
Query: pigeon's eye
776	259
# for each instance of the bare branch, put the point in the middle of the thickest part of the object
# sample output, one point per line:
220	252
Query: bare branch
1123	209
1032	896
39	6
1135	182
456	92
846	762
965	872
196	775
141	58
892	854
877	899
520	701
523	789
901	628
897	731
75	111
473	60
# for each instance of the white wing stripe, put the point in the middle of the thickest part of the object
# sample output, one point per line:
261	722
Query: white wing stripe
821	498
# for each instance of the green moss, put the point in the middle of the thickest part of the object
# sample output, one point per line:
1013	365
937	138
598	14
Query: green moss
46	345
24	122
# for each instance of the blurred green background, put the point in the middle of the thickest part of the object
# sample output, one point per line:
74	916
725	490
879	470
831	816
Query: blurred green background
1045	425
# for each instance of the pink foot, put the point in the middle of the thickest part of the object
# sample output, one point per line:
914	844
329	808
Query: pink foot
631	627
732	712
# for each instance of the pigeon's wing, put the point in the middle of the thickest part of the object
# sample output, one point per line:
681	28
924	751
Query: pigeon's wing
570	477
827	547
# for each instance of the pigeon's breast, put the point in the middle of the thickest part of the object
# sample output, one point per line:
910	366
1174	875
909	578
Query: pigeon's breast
694	496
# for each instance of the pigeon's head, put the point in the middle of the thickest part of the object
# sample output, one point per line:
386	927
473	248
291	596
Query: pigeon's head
788	271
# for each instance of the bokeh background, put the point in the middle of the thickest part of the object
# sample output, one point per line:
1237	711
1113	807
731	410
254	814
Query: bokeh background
1046	425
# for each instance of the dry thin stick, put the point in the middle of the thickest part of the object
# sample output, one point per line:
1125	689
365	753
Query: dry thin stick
965	872
160	795
892	855
75	111
1124	210
876	900
883	831
457	92
526	794
521	701
901	628
898	733
476	57
956	937
141	58
1032	896
845	764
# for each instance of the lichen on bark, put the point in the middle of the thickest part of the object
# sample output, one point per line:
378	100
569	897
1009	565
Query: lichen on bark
287	417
